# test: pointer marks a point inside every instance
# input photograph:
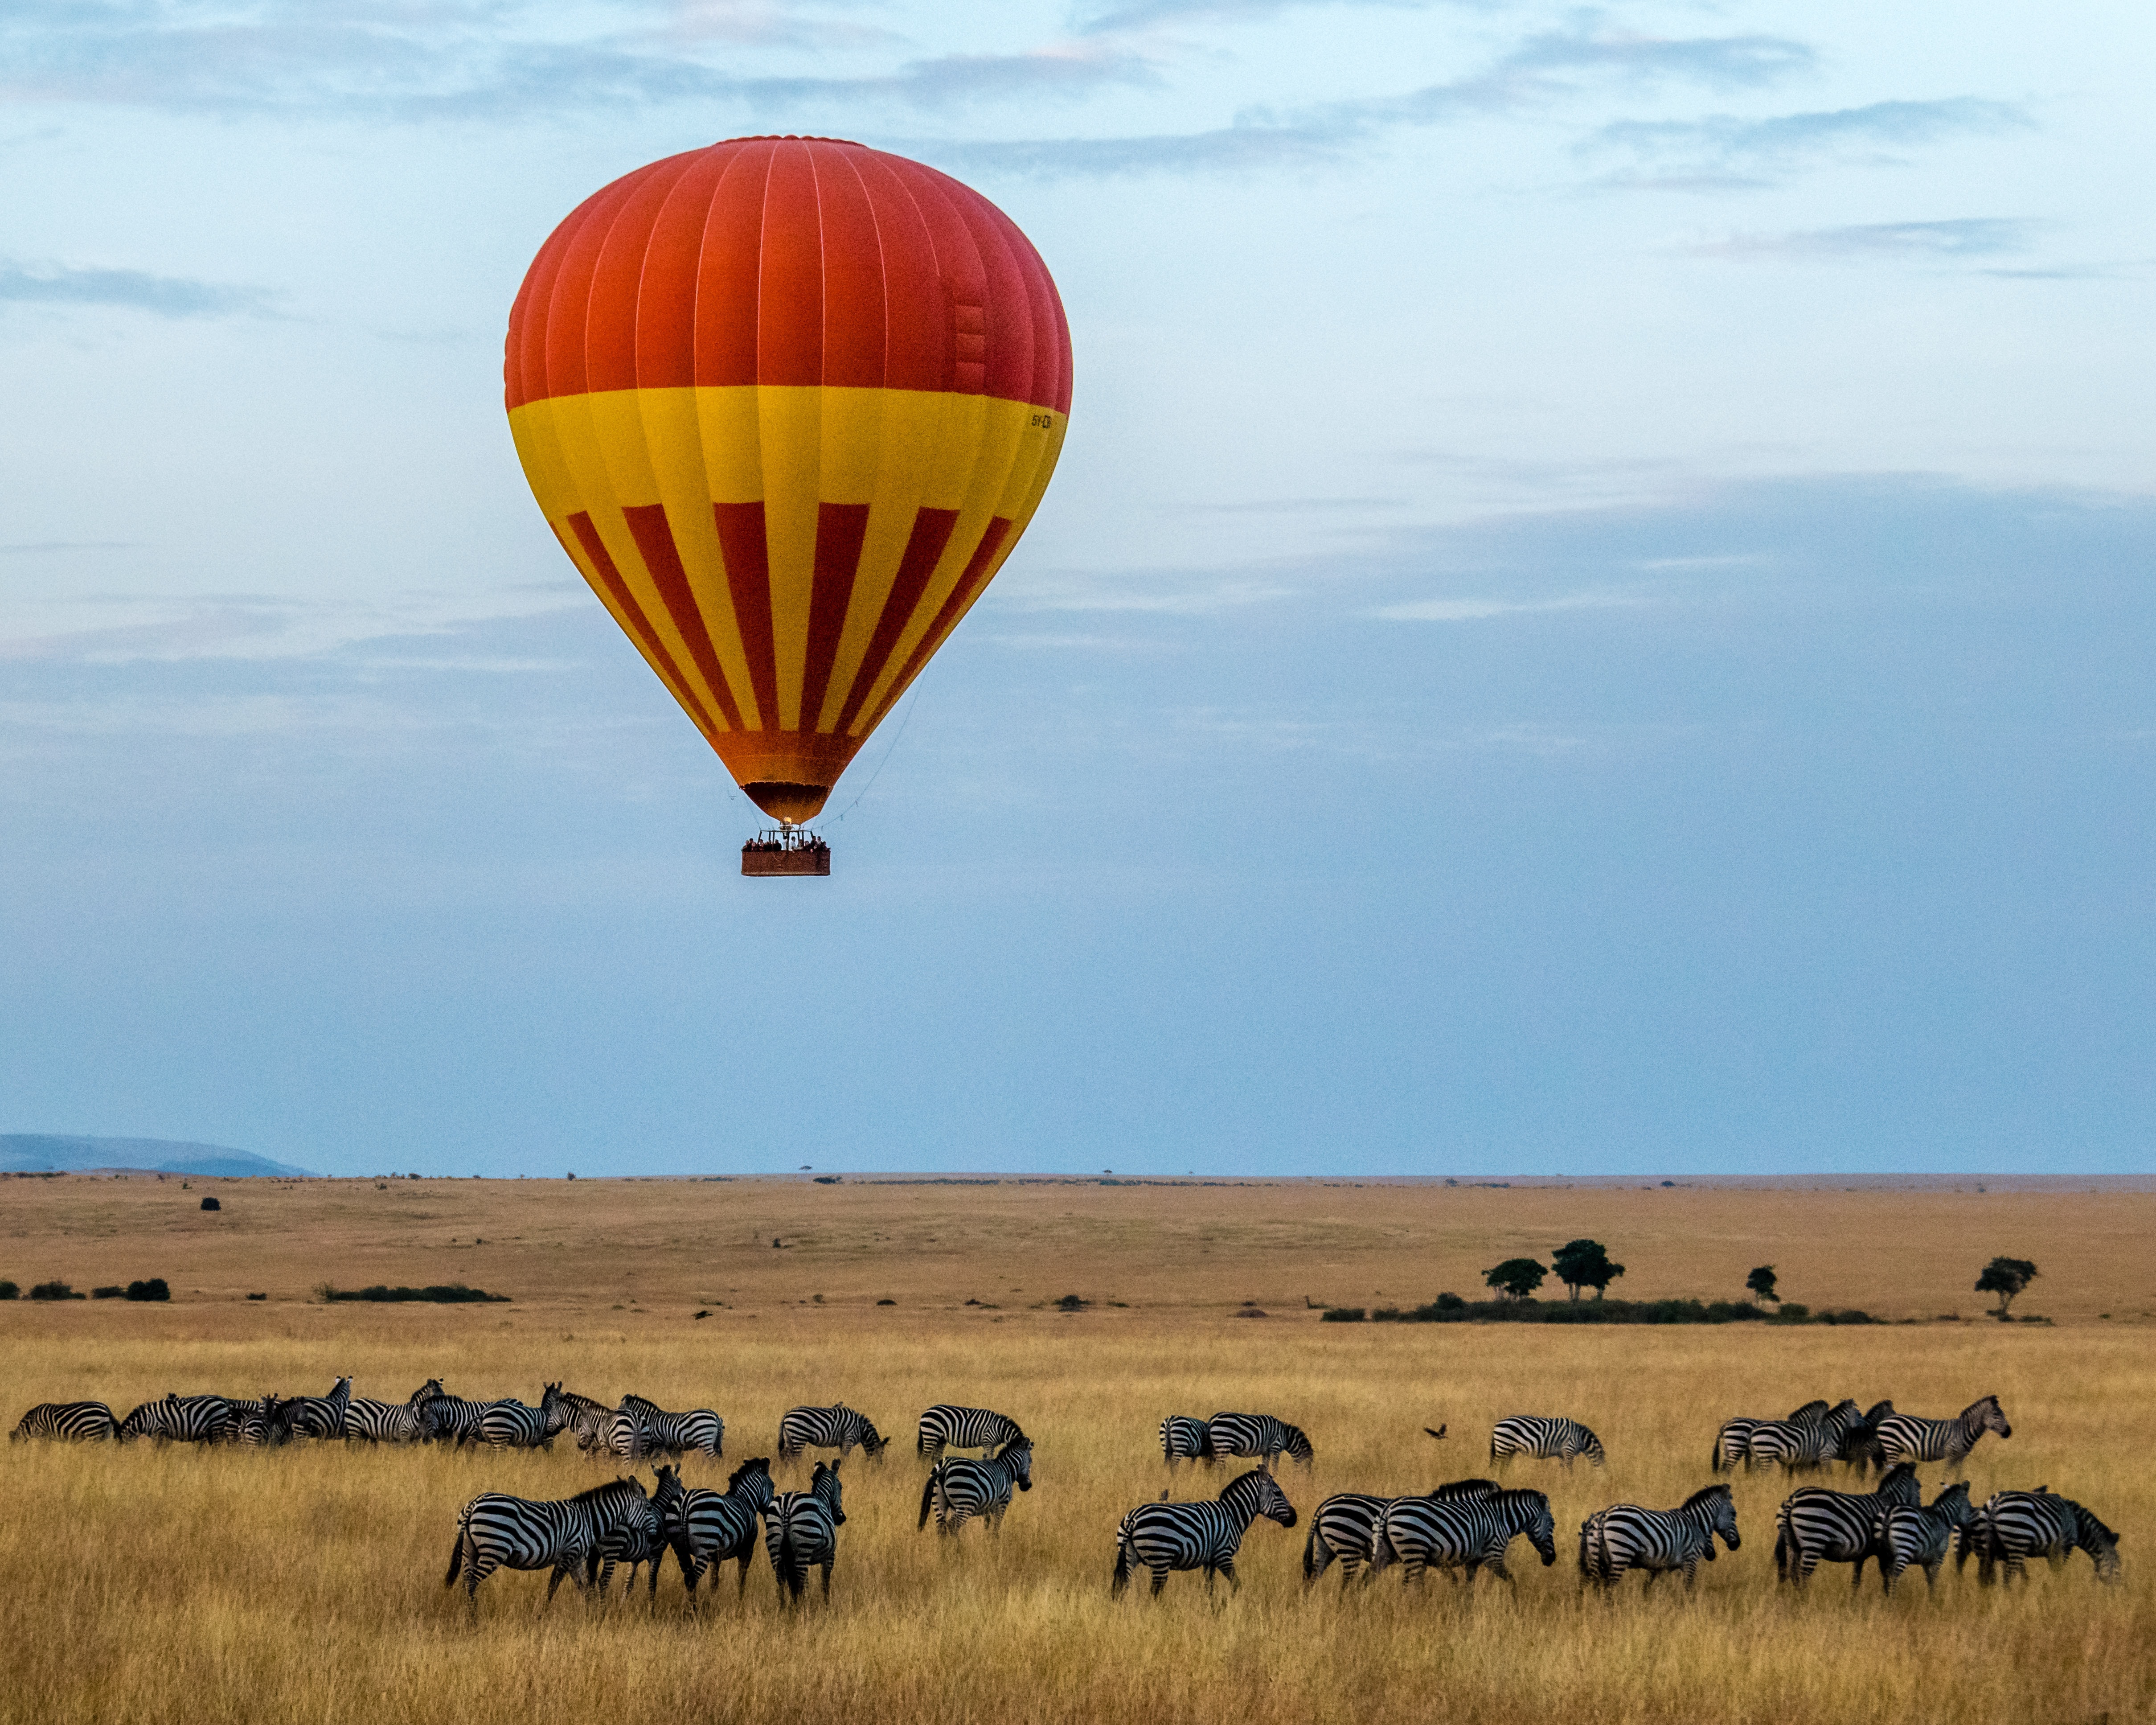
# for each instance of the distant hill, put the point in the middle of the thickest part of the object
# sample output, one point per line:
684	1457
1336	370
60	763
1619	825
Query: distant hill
39	1153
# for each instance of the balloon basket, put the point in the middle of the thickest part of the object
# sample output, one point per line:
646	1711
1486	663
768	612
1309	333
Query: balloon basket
786	850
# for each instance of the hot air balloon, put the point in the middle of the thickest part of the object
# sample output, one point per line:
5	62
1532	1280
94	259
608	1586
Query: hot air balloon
788	403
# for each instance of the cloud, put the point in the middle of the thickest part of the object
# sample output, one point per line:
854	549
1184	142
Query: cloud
1475	610
166	296
1965	237
1723	151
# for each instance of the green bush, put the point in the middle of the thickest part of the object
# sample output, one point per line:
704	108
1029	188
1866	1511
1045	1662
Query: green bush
9	1290
54	1291
153	1289
1341	1315
114	1292
455	1294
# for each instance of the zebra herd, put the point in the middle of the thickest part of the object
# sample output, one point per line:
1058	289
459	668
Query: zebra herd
1465	1526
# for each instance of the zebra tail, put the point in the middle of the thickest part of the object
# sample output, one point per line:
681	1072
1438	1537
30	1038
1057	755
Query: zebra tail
456	1556
1714	1461
1123	1564
927	1498
1310	1553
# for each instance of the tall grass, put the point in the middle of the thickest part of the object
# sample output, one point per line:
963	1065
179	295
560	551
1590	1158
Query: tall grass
306	1583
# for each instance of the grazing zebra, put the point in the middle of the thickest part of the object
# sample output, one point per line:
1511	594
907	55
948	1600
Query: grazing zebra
319	1416
177	1419
801	1532
1544	1437
1183	1438
381	1422
1259	1436
698	1432
614	1432
2014	1527
705	1527
1626	1537
1162	1536
1906	1534
453	1417
1815	1526
1733	1444
1345	1528
510	1424
259	1423
1905	1437
959	1487
495	1530
1805	1442
1459	1525
837	1427
944	1427
71	1422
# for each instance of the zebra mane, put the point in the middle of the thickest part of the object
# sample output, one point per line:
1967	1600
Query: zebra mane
1810	1410
1523	1494
1878	1411
1981	1403
2085	1523
612	1486
1465	1488
1705	1494
761	1464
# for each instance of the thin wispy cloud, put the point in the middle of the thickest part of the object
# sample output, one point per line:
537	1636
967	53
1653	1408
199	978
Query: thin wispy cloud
1476	610
1724	150
1964	237
133	289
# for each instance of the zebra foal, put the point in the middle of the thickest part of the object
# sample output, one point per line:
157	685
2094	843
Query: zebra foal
960	1488
837	1427
946	1427
1259	1436
1165	1536
801	1532
1626	1537
1545	1437
68	1422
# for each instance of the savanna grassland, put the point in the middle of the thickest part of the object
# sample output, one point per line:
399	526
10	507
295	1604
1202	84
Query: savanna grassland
159	1585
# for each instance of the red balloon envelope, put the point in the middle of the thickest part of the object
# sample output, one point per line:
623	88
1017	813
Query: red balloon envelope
787	404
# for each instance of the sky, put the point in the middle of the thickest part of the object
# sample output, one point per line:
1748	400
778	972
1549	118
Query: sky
1594	617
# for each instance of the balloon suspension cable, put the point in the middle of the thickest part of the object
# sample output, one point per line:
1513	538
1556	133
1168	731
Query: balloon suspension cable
905	719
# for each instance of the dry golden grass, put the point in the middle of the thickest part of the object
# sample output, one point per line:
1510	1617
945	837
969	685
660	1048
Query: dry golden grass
152	1585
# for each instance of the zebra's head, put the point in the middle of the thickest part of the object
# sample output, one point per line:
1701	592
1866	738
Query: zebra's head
1590	1447
824	1484
873	1442
1993	1416
1528	1511
1263	1494
1715	1505
751	1480
1899	1484
1298	1446
1018	1456
2098	1541
425	1392
666	1499
142	1420
1953	1503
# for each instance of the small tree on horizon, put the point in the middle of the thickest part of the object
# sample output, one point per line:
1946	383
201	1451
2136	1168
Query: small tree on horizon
1585	1264
2005	1277
1515	1277
1761	1283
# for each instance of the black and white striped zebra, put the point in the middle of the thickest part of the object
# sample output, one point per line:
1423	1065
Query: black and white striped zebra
1185	1438
1344	1529
1803	1443
1625	1536
177	1419
1259	1436
1546	1437
1815	1526
1905	1437
259	1423
1907	1533
960	1488
495	1530
837	1427
617	1433
636	1538
801	1532
1733	1444
377	1422
945	1427
510	1424
695	1431
1456	1526
1164	1536
67	1422
319	1416
2014	1527
1860	1445
706	1528
453	1419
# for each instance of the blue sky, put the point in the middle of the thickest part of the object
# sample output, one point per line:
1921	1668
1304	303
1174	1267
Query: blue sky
1594	618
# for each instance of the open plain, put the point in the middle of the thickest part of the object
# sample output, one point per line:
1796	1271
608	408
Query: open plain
159	1585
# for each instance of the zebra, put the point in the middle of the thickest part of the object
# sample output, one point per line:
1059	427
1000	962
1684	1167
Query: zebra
945	1427
510	1424
1345	1528
1860	1443
1185	1438
1803	1443
698	1432
71	1422
2014	1527
1733	1444
801	1532
1544	1436
613	1432
495	1530
835	1427
1905	1534
451	1417
636	1538
381	1422
707	1528
1626	1537
1162	1536
1815	1526
319	1416
1457	1526
1260	1436
1905	1437
959	1487
177	1419
260	1422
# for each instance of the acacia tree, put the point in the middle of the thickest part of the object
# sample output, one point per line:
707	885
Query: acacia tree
1761	1282
1585	1264
1517	1277
2005	1277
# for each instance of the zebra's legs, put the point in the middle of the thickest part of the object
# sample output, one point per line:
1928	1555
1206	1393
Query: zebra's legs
1159	1579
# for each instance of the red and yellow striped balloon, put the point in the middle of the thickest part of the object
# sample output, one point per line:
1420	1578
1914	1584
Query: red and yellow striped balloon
787	404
